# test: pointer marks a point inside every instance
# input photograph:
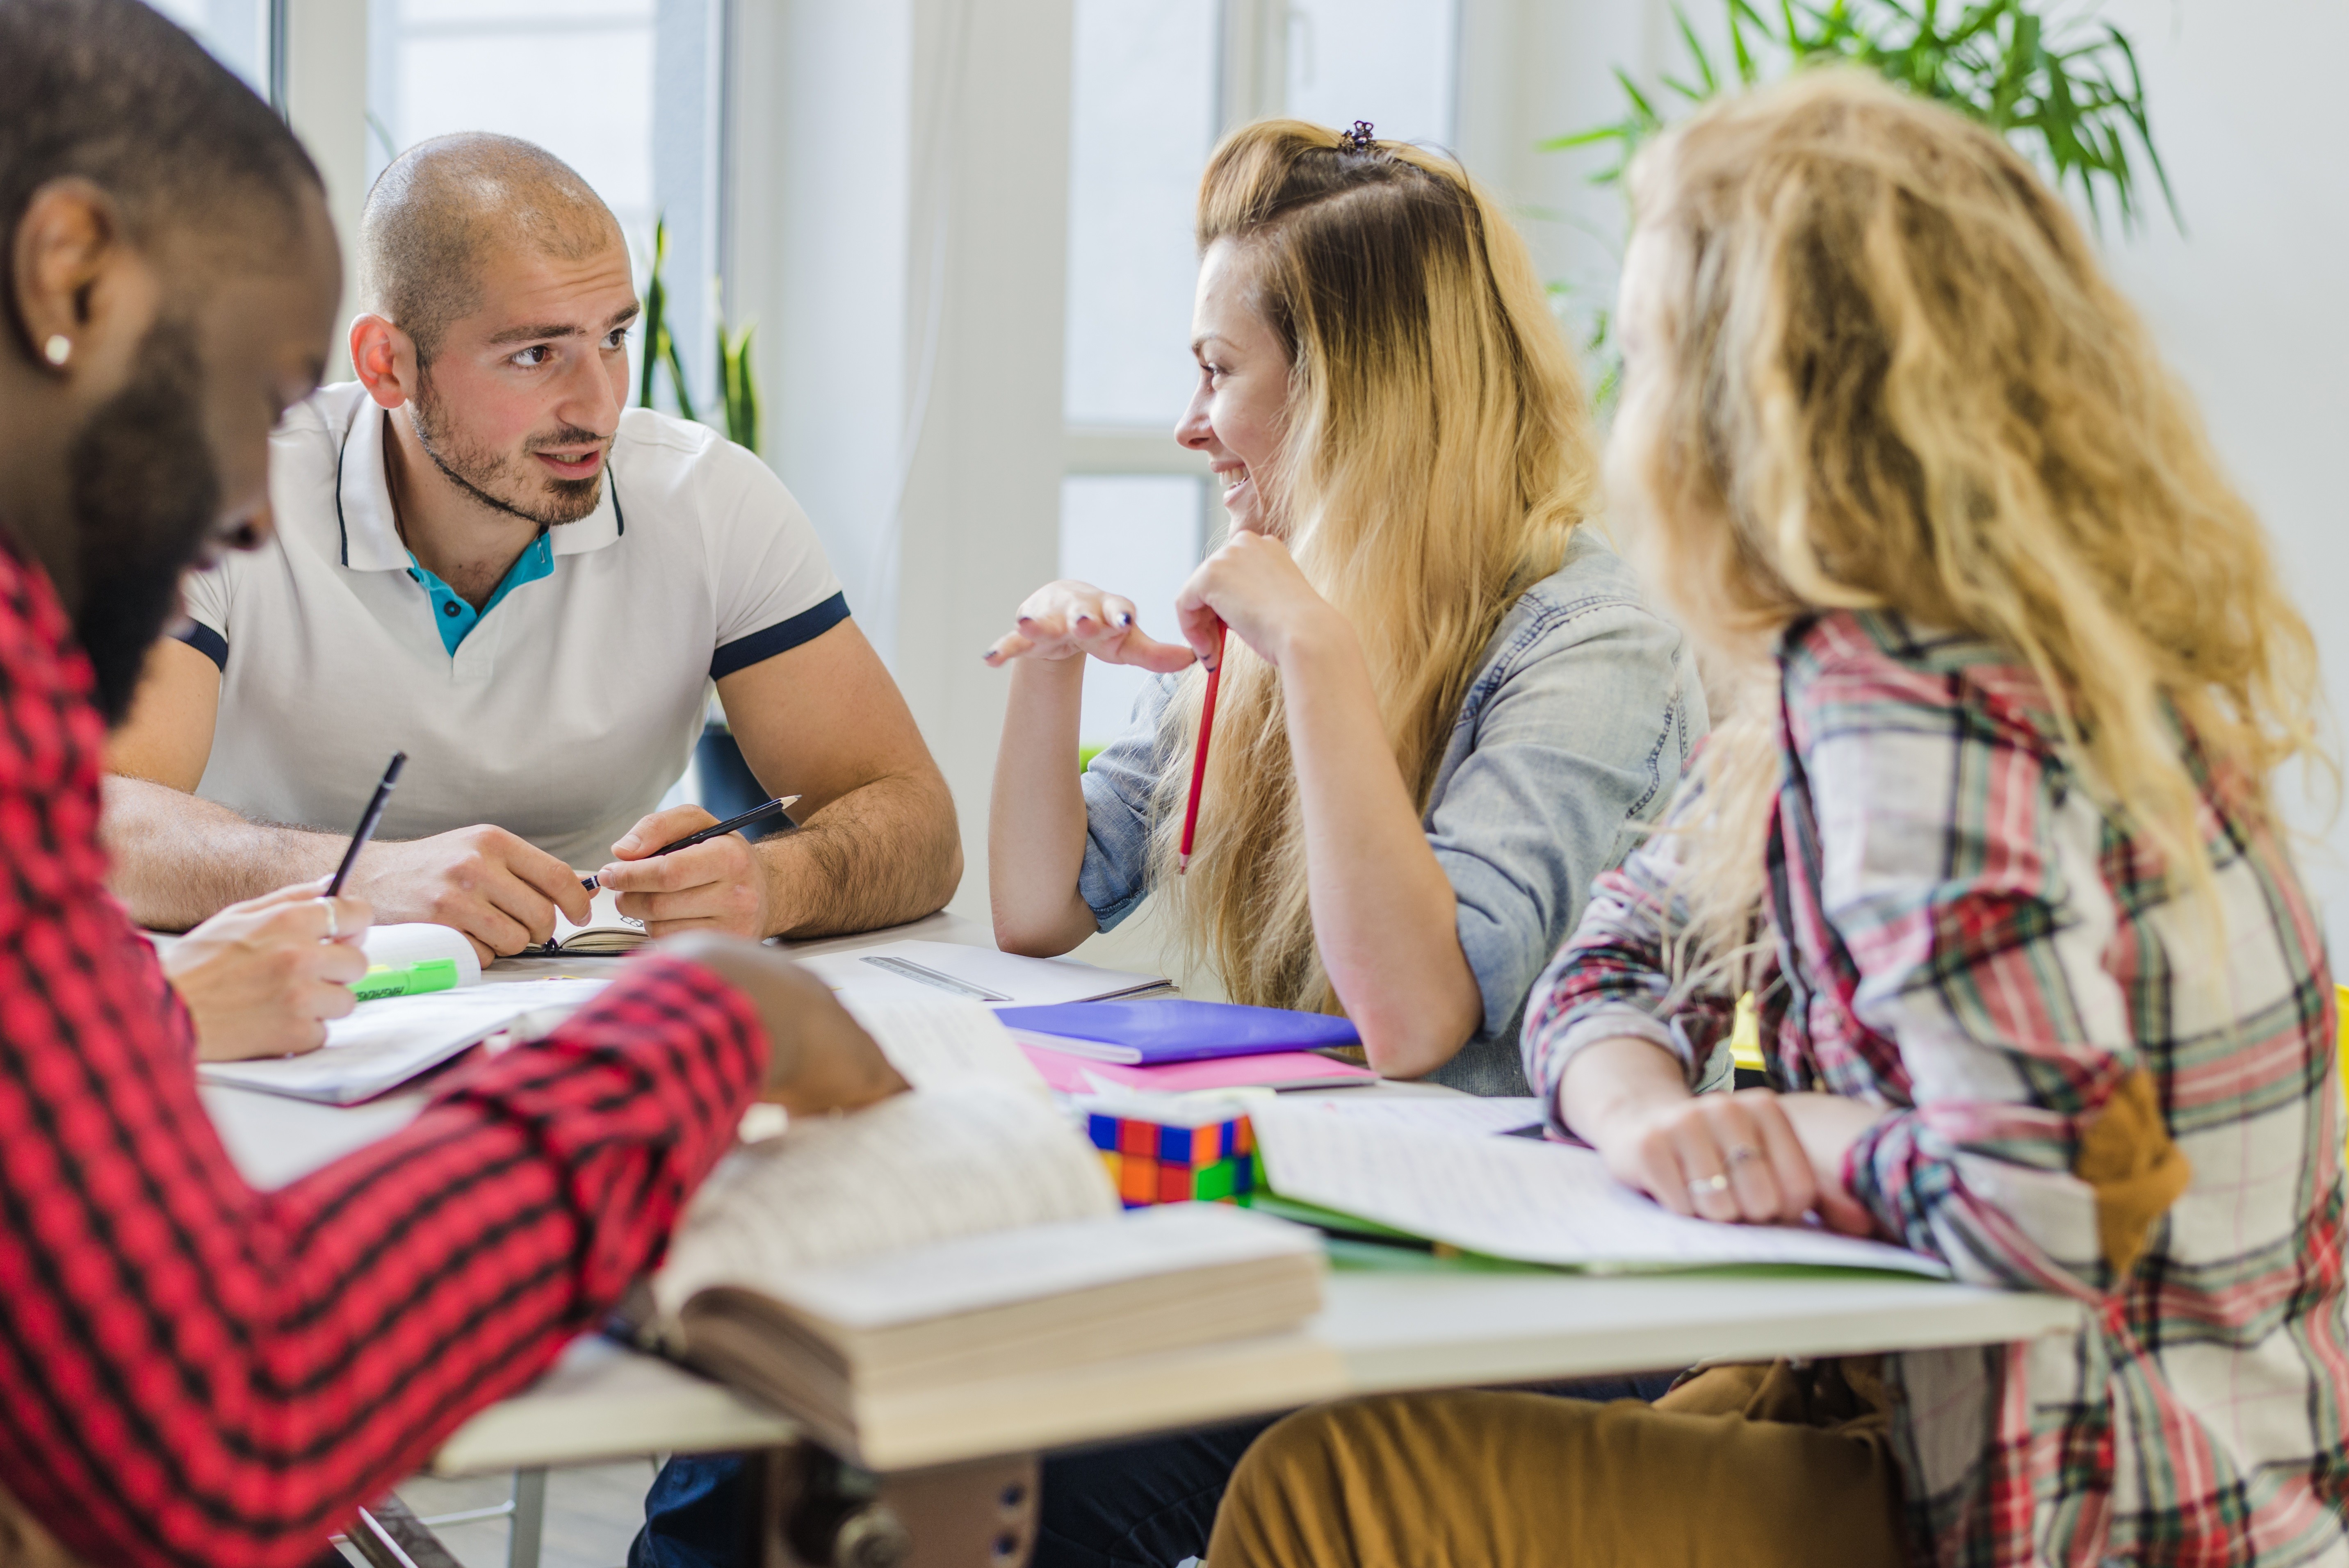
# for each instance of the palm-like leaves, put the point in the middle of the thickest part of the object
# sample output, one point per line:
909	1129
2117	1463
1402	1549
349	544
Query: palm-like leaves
2066	90
738	387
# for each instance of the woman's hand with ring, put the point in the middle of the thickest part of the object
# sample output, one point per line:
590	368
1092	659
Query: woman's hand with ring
1726	1157
263	977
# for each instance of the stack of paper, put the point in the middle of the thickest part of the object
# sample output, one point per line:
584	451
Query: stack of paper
980	974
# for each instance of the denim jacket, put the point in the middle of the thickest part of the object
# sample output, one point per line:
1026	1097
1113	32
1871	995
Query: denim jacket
1583	712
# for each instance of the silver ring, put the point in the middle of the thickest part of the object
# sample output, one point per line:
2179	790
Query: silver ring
1742	1151
1704	1184
334	922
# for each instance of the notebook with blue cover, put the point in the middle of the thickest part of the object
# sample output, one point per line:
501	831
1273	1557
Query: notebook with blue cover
1170	1030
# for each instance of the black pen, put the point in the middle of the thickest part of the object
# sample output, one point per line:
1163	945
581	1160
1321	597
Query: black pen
366	823
750	818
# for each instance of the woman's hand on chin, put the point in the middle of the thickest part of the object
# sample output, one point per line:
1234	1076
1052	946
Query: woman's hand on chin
1253	585
1067	619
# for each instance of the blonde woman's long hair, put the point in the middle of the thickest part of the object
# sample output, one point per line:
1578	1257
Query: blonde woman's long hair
1438	457
1876	364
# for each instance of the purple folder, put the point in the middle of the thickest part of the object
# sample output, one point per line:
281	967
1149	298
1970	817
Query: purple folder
1169	1029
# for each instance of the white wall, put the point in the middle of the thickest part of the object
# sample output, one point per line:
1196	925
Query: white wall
326	73
901	172
2250	303
980	521
822	138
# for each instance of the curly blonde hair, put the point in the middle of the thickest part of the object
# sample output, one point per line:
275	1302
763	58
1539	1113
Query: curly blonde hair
1438	454
1874	363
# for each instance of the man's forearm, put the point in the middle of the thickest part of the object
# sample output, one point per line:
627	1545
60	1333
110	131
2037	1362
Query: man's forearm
883	853
177	858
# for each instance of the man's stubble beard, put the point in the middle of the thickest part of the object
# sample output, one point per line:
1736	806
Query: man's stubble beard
501	482
145	493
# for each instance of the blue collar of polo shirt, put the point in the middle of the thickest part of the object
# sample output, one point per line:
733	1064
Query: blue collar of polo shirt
454	616
370	534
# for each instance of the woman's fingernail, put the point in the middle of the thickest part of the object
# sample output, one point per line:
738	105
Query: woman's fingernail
1027	620
987	657
1125	617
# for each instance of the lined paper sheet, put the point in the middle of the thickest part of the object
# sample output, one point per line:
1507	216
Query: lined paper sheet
1468	1113
908	966
1514	1198
933	1039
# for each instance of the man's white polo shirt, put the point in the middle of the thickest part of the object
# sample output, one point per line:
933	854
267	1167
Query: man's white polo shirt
567	711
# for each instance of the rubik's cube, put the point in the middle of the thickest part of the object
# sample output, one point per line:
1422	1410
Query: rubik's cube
1154	1162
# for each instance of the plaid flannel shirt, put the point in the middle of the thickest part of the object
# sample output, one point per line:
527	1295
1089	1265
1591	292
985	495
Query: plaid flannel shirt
193	1372
1963	938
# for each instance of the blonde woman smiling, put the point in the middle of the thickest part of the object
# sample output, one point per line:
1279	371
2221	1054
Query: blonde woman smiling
1443	708
2042	994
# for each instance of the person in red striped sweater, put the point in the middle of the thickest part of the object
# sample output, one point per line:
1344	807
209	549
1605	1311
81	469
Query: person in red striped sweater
192	1371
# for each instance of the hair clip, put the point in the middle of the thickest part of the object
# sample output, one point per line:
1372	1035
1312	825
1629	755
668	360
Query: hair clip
1358	139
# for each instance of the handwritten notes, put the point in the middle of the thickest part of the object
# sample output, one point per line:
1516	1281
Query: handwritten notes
1514	1198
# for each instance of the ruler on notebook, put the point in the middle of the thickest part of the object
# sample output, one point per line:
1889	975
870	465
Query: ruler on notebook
922	975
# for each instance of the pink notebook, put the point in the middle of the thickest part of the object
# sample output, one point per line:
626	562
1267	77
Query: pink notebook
1274	1069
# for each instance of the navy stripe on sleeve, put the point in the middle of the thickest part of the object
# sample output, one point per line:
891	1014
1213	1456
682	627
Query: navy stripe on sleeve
205	641
779	638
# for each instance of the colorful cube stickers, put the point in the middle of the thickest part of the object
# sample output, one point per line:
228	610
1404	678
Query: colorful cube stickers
1151	1162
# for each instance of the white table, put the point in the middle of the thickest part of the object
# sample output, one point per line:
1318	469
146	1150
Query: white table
1379	1331
1388	1332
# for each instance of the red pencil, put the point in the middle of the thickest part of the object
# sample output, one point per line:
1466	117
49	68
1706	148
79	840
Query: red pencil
1199	758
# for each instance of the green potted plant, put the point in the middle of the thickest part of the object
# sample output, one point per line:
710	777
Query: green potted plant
2055	80
738	389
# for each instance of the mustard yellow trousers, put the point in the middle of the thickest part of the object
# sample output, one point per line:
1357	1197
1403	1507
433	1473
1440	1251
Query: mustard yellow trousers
1739	1466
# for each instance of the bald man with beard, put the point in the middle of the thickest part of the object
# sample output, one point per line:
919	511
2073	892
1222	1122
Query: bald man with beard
484	559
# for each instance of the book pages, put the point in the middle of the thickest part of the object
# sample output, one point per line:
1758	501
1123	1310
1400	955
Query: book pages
1514	1198
972	1156
607	932
969	1273
934	1038
1487	1114
909	966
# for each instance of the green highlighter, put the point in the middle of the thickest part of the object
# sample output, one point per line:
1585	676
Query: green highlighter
408	979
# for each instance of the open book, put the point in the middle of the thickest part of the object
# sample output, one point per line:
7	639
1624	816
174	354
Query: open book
608	934
947	1274
1436	1173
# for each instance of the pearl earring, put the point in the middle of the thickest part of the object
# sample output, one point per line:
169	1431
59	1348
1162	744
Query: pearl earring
59	350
